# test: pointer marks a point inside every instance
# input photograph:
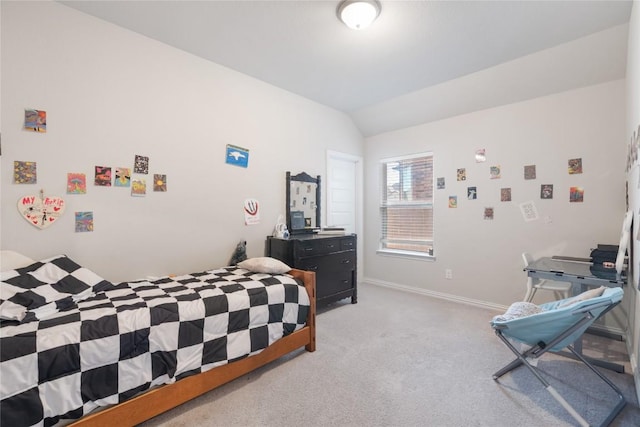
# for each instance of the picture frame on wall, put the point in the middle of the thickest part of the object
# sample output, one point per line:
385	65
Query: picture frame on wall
546	191
530	172
237	156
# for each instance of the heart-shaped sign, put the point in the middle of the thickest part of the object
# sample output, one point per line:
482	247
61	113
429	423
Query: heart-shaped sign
41	211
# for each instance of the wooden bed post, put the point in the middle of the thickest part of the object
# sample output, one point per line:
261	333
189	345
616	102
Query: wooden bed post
309	279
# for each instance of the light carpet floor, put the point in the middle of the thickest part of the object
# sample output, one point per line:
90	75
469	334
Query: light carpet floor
402	359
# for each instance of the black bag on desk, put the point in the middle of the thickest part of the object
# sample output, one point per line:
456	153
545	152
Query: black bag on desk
604	253
602	272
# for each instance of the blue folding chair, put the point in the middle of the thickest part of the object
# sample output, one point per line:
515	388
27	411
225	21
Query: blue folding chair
558	325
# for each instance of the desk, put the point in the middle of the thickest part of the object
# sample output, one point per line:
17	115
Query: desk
582	276
578	273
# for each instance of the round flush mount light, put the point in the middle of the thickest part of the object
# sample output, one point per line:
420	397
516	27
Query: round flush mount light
358	14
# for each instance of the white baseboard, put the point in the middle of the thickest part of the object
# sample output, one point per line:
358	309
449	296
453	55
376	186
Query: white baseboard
440	295
612	330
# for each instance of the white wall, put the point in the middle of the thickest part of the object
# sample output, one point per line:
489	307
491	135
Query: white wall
111	94
570	65
485	255
632	137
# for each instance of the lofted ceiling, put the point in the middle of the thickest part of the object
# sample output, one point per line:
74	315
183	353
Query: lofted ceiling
386	76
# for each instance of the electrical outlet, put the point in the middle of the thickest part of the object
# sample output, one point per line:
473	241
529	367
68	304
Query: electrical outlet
448	274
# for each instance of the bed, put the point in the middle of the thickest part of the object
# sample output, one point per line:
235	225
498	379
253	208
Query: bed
74	346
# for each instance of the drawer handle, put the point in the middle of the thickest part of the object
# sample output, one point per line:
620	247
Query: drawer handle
331	246
313	267
308	249
346	261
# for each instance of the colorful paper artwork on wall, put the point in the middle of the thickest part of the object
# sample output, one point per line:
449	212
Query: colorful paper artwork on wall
252	212
84	222
576	195
530	172
141	165
237	156
472	193
76	183
123	177
35	120
159	182
575	166
138	187
546	191
505	194
41	211
24	172
103	176
529	211
488	213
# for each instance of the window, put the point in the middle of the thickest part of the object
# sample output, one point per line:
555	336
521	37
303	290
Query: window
406	205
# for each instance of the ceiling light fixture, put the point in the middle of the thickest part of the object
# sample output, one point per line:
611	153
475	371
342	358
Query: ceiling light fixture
358	14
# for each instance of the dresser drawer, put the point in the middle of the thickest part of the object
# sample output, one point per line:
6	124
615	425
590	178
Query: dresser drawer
348	244
314	247
340	261
333	282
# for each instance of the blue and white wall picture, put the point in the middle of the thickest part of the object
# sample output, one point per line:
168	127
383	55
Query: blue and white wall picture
237	156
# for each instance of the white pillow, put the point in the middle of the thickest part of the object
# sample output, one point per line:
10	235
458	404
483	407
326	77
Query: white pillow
517	310
264	265
10	260
592	293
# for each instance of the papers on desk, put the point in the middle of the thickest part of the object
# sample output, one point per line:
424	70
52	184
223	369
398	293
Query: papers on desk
332	230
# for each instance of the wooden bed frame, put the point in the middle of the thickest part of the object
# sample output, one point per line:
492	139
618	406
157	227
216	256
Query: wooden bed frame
158	400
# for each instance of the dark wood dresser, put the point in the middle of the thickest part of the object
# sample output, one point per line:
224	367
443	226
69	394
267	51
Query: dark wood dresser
331	257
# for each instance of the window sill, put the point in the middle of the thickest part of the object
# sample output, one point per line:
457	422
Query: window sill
405	254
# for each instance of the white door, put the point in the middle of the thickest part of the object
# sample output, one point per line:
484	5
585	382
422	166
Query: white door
344	197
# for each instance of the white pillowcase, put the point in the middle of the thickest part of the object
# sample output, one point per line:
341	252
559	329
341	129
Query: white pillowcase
517	310
10	260
264	265
592	293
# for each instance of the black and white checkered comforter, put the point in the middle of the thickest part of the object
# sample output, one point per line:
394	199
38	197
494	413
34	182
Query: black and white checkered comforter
123	340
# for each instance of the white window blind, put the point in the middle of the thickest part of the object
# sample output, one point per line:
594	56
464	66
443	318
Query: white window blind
406	206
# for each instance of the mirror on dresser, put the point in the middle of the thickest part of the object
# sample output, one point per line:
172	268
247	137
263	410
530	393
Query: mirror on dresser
303	203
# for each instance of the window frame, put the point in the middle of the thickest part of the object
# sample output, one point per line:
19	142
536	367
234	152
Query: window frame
383	204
